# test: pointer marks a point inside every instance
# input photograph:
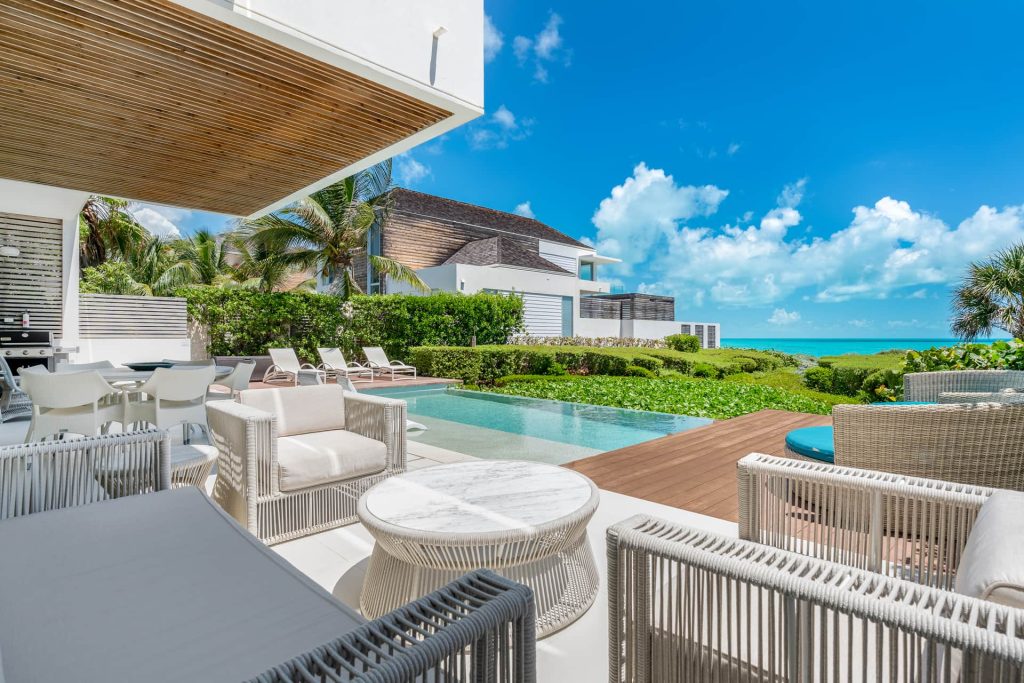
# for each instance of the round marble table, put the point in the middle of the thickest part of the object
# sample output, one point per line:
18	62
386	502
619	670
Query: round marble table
524	520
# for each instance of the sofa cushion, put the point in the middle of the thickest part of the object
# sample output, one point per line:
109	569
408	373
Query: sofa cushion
992	566
300	410
812	442
306	460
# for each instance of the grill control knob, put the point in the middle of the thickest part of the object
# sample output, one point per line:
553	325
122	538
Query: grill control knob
25	352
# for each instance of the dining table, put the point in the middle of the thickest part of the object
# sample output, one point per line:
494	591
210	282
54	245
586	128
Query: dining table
127	375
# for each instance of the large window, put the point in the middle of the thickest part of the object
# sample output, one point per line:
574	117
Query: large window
373	248
586	270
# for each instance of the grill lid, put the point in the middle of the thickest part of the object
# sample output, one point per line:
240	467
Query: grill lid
19	338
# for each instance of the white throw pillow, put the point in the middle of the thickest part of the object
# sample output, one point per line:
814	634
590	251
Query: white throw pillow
992	566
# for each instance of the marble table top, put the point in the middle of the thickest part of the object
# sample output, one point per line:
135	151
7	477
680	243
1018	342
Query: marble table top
478	497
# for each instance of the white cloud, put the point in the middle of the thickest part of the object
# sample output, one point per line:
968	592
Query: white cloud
780	316
732	148
859	323
918	294
523	209
646	209
886	249
159	220
505	118
900	324
409	171
546	48
499	129
494	40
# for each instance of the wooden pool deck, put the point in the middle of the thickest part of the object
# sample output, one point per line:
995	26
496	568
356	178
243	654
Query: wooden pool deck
695	470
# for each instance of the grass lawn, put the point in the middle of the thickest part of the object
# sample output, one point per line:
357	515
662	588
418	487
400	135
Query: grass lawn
886	360
716	399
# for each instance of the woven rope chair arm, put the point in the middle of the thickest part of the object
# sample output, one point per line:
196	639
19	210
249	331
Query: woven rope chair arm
863	518
246	440
383	419
1005	396
686	604
481	619
50	475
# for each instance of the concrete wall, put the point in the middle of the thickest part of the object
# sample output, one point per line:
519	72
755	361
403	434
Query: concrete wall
43	201
649	329
121	351
597	327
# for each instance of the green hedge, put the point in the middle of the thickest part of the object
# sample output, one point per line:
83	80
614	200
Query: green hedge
486	364
856	374
683	342
245	322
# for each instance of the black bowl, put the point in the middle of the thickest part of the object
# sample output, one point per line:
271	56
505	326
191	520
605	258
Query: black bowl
149	366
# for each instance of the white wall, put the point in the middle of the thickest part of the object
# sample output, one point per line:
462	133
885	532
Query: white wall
43	201
597	327
457	277
121	351
395	35
649	329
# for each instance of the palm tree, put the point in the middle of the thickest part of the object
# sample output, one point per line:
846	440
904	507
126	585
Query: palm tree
327	230
107	228
206	255
258	269
157	270
991	296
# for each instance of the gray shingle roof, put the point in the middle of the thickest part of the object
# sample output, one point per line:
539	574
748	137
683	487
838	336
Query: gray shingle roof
502	251
448	209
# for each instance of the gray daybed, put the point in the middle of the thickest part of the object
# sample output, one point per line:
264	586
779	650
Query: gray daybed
165	586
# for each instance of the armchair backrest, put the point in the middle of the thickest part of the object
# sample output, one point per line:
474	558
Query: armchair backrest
240	377
285	359
35	477
927	386
979	444
300	410
179	384
66	389
376	356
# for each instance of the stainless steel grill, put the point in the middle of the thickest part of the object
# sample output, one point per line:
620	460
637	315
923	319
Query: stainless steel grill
21	347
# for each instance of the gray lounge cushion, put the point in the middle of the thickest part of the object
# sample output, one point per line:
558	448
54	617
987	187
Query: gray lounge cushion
158	587
300	410
992	566
319	458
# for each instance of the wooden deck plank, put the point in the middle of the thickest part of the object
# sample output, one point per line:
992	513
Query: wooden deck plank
695	470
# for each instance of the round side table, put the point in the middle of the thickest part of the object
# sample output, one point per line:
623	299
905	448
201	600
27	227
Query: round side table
527	521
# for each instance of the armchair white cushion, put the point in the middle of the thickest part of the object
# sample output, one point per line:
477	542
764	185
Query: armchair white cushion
319	458
294	461
313	409
992	565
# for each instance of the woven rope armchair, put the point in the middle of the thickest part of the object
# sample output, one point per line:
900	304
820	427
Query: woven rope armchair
980	444
249	478
36	477
928	386
798	597
14	402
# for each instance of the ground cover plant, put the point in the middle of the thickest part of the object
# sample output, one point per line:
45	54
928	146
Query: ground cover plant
680	395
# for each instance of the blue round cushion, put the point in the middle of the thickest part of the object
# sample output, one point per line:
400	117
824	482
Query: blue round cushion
812	442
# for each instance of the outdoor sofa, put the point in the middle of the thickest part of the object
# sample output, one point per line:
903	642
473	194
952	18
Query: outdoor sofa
294	461
978	443
837	595
928	386
166	587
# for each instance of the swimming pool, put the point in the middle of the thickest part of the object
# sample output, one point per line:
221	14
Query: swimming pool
496	426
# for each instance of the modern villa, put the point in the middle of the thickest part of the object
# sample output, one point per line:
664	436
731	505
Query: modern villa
459	247
302	488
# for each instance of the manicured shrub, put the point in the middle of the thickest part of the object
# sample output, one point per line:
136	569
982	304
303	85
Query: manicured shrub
246	322
638	371
705	370
688	343
819	378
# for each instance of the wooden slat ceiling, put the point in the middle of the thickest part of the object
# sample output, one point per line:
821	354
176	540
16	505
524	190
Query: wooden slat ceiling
148	100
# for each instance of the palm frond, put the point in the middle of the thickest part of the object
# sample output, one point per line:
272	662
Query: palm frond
398	271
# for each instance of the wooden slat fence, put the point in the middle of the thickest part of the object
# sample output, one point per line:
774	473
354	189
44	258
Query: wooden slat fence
113	316
34	280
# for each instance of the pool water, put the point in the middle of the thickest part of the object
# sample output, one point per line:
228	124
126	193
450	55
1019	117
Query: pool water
496	426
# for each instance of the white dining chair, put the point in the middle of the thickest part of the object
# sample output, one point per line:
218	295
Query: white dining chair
237	381
172	396
70	403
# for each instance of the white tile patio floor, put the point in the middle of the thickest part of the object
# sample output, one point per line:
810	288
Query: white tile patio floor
337	561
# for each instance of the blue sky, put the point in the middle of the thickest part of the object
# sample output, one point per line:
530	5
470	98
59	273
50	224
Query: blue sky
788	169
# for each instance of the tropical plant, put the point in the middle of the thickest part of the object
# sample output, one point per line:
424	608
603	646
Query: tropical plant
991	296
327	230
258	269
206	256
152	269
107	228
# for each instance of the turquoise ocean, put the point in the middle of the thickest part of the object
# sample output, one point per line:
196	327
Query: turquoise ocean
832	347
